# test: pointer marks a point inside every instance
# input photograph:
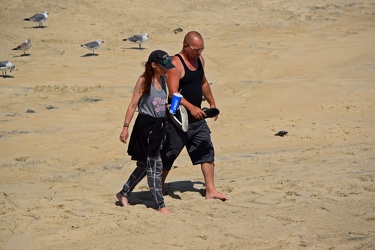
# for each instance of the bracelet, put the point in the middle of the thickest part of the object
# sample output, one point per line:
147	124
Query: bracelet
126	125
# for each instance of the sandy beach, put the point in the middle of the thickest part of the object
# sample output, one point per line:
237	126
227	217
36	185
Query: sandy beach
304	67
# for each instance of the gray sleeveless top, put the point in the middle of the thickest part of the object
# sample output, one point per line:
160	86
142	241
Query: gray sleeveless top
154	104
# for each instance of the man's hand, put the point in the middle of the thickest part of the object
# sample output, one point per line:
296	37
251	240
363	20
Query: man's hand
197	113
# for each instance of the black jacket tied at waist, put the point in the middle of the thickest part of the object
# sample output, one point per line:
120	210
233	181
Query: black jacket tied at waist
146	137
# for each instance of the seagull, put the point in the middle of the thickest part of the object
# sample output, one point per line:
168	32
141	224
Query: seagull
24	46
4	66
93	45
137	38
38	18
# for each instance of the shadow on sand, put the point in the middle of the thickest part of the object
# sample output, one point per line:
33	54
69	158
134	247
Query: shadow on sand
135	48
7	76
90	54
35	27
22	55
145	197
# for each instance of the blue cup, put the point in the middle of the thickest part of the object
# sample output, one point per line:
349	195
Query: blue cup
176	100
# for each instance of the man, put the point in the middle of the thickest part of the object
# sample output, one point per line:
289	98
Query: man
188	78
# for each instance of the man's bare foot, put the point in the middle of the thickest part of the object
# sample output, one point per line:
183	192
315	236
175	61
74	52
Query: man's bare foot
215	195
122	199
164	210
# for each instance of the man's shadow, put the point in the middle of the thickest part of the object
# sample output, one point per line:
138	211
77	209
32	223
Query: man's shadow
145	197
183	186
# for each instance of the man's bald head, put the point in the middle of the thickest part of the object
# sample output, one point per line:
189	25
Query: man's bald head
192	37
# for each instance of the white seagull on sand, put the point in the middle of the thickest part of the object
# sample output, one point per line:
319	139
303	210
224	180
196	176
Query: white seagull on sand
38	18
24	46
137	38
93	45
4	66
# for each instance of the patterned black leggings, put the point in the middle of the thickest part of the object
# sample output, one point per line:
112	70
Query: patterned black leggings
153	168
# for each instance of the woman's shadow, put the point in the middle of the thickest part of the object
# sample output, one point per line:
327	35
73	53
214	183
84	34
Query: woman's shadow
171	188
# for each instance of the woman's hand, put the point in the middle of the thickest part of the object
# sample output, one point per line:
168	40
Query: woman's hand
124	135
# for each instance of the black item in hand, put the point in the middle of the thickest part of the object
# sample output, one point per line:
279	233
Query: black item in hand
211	112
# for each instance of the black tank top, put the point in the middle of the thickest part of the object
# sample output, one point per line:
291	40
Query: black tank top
191	84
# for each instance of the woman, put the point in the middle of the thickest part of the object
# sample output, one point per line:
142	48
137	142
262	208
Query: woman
148	130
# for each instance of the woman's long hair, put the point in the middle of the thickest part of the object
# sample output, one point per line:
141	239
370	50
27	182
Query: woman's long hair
147	76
